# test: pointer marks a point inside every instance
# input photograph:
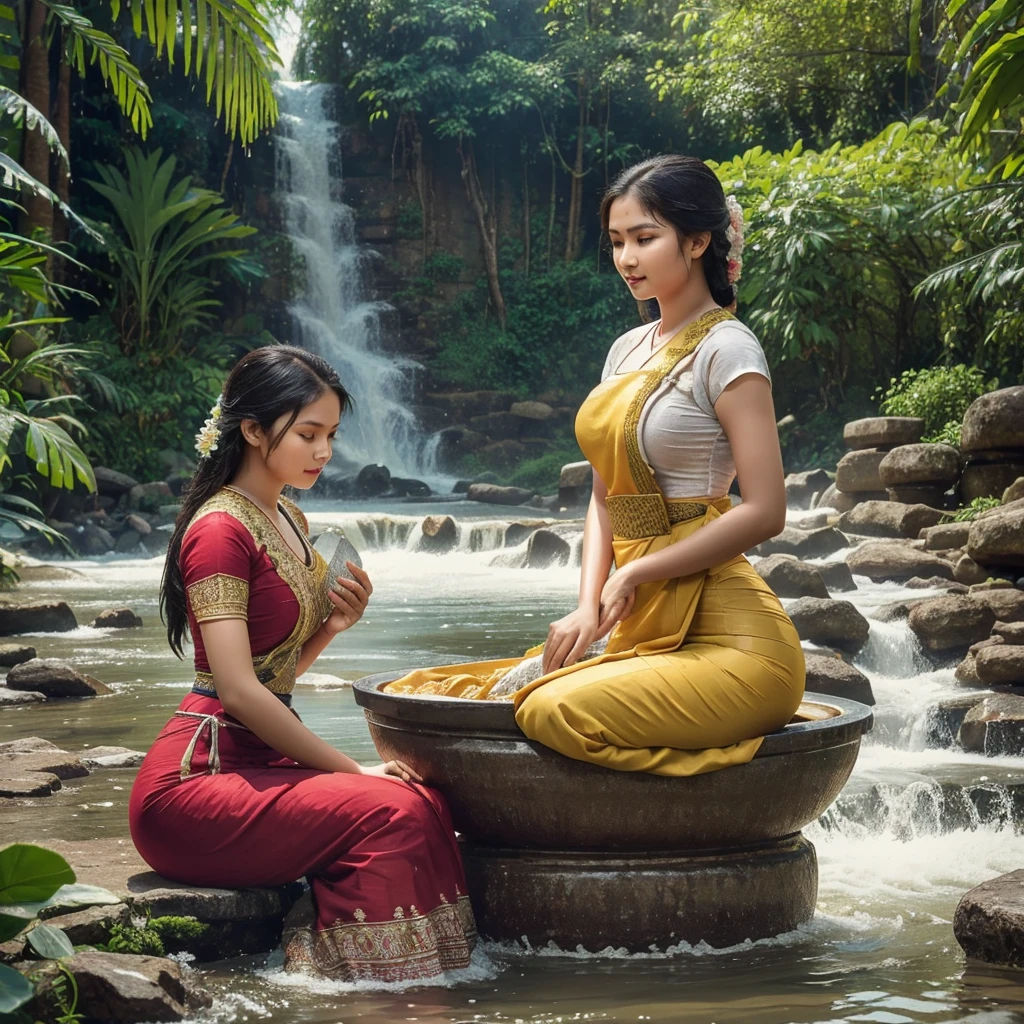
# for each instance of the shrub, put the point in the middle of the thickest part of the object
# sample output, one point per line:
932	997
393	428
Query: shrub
939	395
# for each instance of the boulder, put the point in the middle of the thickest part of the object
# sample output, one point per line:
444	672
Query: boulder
837	576
935	583
832	497
575	483
406	487
15	654
945	536
995	726
455	442
548	547
61	763
111	483
1015	492
54	679
945	719
801	487
833	676
932	495
888	519
989	920
27	745
896	611
893	560
1009	632
440	534
41	617
920	464
149	496
372	481
995	420
883	431
92	540
966	671
789	577
516	532
1000	664
495	494
531	410
1006	602
135	522
91	926
460	406
829	623
951	622
804	543
857	471
500	426
110	757
28	784
502	456
989	479
128	542
116	618
119	987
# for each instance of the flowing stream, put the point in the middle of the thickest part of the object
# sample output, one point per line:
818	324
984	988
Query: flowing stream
915	827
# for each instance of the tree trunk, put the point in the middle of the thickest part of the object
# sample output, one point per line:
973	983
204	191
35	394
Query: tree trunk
572	231
552	202
35	87
526	216
61	177
486	225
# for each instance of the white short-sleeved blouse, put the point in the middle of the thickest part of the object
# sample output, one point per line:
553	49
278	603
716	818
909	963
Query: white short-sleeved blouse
679	433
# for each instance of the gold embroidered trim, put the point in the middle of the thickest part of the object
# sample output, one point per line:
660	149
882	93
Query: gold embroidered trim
219	597
276	668
681	345
401	949
634	516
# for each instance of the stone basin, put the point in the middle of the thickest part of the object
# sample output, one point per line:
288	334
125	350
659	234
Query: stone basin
507	791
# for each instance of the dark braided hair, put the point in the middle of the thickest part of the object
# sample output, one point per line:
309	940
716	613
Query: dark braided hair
265	384
684	192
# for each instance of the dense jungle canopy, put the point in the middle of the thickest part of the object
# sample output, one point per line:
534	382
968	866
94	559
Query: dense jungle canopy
875	146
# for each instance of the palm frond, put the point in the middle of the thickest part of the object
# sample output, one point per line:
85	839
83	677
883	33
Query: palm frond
21	112
14	175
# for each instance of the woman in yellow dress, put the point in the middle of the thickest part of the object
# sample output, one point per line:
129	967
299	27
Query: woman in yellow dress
701	661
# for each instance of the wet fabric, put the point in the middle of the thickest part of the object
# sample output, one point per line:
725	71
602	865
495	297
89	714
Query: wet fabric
705	664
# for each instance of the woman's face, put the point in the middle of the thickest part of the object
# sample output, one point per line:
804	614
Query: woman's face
305	448
648	253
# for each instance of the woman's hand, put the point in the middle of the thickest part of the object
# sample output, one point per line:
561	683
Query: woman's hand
396	769
350	602
568	638
617	597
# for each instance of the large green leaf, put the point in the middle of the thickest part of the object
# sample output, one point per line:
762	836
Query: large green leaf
50	942
15	989
30	874
21	112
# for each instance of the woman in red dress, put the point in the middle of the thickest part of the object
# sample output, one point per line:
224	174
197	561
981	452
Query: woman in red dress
236	791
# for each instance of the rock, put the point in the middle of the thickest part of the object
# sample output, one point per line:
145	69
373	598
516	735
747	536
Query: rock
516	532
893	560
116	618
995	420
888	519
789	577
149	497
91	926
28	785
119	987
833	676
932	495
945	536
837	576
989	920
947	717
42	617
110	482
1015	492
829	623
110	757
15	654
995	726
373	481
460	406
502	456
547	547
54	679
455	442
575	484
128	542
801	487
500	426
967	571
804	543
440	534
858	471
989	479
935	583
27	745
1006	602
951	622
832	497
135	522
93	540
1009	632
61	763
920	464
883	431
1000	664
896	611
494	494
531	410
405	487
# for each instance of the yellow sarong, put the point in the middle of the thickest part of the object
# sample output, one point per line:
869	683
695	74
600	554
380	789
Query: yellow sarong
702	668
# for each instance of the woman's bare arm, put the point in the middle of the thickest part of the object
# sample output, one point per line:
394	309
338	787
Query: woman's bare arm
747	414
596	561
247	700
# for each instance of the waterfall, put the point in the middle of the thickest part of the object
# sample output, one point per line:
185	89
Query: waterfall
332	314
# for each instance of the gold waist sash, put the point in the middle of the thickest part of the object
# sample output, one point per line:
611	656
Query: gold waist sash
635	516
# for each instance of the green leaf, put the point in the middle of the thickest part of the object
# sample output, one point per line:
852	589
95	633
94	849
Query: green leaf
30	873
50	942
15	989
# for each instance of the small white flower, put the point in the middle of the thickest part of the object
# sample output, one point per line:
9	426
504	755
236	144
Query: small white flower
208	437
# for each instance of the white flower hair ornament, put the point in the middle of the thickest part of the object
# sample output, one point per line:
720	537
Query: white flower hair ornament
734	232
207	438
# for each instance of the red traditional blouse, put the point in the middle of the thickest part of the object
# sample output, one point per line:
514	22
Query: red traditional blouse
237	565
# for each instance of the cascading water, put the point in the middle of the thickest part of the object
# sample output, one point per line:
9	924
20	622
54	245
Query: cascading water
332	314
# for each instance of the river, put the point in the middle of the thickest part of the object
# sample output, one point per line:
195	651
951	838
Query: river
914	828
